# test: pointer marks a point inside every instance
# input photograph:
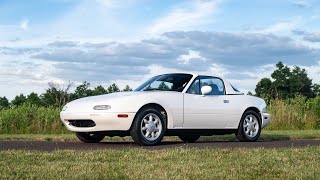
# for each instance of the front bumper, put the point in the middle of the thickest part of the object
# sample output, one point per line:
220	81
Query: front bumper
266	118
103	121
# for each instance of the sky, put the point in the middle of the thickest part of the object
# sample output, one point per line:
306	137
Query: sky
129	41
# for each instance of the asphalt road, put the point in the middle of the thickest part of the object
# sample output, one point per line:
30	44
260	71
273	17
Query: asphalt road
75	145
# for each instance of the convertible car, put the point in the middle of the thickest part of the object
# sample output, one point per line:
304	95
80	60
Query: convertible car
177	104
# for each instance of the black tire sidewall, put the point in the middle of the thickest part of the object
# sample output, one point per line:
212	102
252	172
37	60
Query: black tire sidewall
241	129
136	128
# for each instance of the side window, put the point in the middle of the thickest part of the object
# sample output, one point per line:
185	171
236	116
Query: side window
215	83
195	87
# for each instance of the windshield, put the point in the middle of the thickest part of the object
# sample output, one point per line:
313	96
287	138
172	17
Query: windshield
166	82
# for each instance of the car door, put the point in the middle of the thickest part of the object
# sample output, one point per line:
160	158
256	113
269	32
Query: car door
206	111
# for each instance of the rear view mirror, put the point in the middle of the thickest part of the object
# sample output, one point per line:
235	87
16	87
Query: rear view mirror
206	90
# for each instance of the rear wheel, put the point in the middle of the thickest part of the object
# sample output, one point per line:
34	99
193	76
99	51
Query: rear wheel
249	127
189	138
90	137
148	127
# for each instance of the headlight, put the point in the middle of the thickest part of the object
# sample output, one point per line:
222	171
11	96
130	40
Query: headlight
64	108
102	107
264	110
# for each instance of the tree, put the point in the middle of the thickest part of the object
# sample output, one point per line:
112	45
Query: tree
4	102
99	90
56	95
250	93
286	83
281	78
113	88
316	89
127	88
82	91
264	87
33	98
300	82
19	100
163	86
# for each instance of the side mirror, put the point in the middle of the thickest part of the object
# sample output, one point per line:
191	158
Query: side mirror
206	90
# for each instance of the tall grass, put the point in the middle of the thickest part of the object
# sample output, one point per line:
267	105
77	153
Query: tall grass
297	113
32	119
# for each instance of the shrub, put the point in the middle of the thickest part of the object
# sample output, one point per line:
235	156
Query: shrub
32	119
297	113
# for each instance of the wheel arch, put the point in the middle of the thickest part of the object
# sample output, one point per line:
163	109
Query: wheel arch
163	111
255	109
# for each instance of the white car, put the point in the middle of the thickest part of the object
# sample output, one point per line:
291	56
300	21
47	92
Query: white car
177	104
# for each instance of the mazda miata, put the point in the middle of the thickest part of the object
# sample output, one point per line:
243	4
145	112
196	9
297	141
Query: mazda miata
178	104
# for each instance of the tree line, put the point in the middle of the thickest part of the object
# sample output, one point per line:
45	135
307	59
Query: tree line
285	82
58	96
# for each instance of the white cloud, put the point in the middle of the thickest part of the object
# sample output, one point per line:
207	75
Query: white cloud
186	17
313	72
285	26
191	56
24	24
301	3
110	4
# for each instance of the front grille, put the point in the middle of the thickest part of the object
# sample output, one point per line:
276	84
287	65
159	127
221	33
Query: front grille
82	123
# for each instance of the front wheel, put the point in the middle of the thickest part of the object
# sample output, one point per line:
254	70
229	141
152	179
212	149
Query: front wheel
90	137
249	127
148	127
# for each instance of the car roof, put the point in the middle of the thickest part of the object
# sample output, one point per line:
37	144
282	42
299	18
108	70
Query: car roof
194	74
228	86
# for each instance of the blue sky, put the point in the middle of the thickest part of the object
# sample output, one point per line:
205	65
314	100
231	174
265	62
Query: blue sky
127	41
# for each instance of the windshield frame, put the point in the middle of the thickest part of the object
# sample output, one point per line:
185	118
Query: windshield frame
153	79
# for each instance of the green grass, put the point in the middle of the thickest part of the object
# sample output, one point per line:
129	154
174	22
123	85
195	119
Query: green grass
177	163
266	135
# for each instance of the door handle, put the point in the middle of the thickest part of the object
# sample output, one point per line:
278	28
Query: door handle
226	101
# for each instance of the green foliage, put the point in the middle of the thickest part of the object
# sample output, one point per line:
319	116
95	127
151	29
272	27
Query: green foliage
33	98
99	90
82	91
18	100
127	88
4	102
295	113
263	88
287	83
113	88
250	93
163	86
316	89
29	118
55	95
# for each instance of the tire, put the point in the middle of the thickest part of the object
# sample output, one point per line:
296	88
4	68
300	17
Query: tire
250	127
90	137
146	130
189	138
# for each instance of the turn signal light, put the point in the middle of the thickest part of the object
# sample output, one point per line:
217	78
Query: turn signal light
122	115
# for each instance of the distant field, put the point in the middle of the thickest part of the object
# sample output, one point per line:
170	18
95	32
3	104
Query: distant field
177	163
266	135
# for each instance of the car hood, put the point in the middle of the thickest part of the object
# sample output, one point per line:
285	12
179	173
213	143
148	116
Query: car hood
105	97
